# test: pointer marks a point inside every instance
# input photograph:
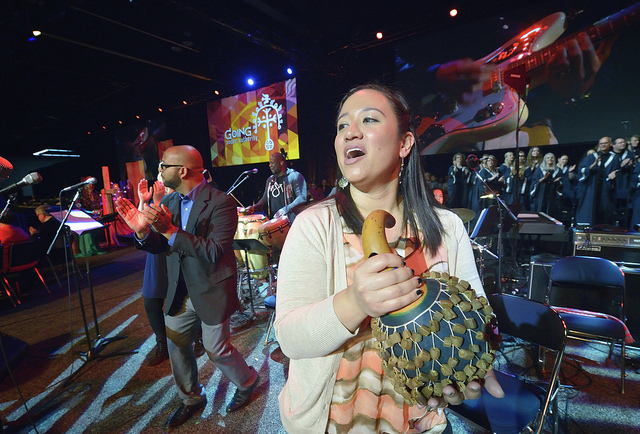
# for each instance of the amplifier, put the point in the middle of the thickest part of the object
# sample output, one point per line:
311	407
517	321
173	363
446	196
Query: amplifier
540	269
624	250
621	248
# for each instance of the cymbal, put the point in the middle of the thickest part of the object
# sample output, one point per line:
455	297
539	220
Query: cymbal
465	214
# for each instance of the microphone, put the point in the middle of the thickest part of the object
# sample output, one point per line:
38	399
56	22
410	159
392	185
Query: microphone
250	171
91	180
472	161
32	178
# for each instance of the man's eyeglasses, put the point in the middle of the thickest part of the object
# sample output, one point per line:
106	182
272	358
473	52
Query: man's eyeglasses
163	166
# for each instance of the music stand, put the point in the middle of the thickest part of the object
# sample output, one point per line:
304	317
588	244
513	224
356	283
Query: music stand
79	222
487	223
250	245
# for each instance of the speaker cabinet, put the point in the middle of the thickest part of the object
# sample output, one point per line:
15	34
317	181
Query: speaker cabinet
615	245
540	269
618	254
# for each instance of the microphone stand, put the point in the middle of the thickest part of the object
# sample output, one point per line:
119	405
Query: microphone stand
482	250
10	199
501	210
239	180
68	256
93	348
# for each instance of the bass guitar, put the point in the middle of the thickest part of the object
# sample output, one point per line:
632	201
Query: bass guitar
497	108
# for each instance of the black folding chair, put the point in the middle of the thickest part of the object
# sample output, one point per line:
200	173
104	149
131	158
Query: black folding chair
526	404
23	256
595	290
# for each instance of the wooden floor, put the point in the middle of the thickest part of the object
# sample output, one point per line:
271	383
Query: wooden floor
53	388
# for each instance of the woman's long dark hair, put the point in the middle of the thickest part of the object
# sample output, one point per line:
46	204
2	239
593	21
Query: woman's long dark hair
419	203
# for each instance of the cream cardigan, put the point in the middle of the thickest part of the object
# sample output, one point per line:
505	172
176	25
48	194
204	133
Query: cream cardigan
312	269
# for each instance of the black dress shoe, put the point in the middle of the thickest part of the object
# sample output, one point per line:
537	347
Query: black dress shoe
242	397
183	413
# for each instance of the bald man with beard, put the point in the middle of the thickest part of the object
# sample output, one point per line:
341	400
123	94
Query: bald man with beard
194	226
596	186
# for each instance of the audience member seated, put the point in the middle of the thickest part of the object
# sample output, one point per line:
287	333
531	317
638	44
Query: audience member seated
46	231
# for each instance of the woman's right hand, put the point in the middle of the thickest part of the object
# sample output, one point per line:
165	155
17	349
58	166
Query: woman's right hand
380	284
144	192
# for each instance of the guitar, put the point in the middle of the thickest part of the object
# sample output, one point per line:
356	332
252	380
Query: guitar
493	111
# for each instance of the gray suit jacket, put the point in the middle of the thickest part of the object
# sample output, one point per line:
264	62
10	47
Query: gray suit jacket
204	252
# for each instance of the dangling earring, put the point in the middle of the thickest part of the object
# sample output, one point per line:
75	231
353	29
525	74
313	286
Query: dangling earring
343	182
401	173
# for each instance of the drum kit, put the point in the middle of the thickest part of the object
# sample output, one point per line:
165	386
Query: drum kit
466	215
258	243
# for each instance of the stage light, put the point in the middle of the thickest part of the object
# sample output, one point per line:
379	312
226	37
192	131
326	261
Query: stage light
379	35
289	71
160	109
137	116
184	102
67	153
216	92
250	81
453	12
35	34
120	122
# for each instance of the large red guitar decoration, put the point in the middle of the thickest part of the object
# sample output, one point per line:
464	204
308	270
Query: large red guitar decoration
493	111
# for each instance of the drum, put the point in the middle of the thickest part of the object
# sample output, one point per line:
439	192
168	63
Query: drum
445	337
243	211
274	232
248	226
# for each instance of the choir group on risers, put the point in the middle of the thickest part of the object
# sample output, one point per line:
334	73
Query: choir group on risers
602	189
